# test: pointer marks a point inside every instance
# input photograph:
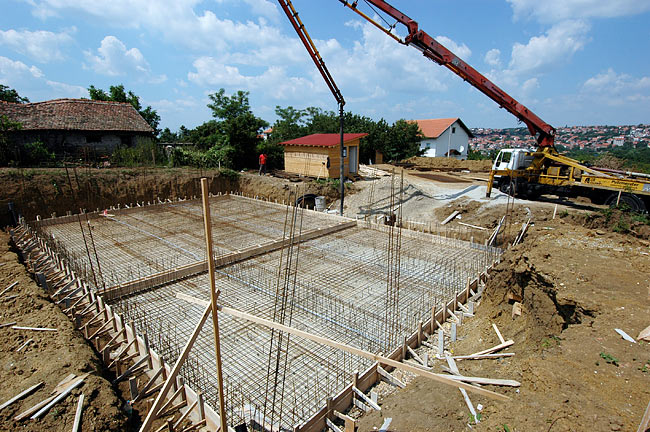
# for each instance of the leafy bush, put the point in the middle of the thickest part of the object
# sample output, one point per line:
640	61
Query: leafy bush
36	153
229	173
144	153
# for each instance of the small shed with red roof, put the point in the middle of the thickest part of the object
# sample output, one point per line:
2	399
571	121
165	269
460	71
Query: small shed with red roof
318	155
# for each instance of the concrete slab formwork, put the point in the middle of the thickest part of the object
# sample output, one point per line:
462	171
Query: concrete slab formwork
339	292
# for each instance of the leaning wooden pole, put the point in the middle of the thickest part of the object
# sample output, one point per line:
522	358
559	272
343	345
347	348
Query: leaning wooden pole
213	296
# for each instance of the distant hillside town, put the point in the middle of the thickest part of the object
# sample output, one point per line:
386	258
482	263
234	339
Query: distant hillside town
570	137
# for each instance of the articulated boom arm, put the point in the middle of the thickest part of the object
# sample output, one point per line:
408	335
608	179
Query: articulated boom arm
435	51
297	24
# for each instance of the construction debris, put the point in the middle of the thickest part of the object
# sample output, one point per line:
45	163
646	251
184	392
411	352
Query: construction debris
21	395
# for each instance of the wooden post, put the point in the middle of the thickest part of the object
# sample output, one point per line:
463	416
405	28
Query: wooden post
213	295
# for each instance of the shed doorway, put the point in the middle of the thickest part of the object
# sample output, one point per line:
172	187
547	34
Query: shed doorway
353	159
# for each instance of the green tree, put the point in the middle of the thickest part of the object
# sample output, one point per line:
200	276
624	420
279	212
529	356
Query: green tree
119	94
289	125
8	153
10	95
237	126
402	141
167	136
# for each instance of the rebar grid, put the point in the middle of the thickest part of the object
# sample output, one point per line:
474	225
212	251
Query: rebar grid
162	238
339	293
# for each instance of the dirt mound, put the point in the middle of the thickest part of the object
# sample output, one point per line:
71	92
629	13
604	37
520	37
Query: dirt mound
615	220
450	164
546	310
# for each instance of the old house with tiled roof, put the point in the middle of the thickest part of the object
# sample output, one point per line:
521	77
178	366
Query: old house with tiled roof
66	125
444	137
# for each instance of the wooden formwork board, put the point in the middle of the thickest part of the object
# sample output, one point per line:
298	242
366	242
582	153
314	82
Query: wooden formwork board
111	325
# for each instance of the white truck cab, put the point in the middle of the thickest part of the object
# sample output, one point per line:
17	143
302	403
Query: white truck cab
513	159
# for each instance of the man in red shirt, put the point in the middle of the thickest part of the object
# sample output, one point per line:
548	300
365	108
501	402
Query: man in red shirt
262	164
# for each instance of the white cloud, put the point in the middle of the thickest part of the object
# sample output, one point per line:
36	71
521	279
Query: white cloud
375	60
179	21
549	11
11	70
556	46
67	90
42	46
114	59
493	57
461	50
274	80
264	8
612	88
529	86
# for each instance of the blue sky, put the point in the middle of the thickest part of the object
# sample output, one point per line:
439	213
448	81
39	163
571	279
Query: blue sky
572	62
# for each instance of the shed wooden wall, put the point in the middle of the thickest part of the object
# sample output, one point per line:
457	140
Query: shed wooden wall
311	161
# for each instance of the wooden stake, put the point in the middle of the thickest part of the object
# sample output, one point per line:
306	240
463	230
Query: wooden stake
213	296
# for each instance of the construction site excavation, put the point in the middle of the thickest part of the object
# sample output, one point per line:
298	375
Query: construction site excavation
369	286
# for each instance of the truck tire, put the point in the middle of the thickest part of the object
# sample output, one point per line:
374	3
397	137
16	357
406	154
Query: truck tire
632	201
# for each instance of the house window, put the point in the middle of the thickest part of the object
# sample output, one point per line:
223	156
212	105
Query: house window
453	129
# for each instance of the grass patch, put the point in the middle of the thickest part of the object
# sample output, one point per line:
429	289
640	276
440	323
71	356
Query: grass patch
609	359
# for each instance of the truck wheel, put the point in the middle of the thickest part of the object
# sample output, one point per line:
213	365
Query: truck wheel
507	187
632	201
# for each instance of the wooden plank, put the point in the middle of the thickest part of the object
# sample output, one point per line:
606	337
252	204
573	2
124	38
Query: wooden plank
385	424
501	346
645	421
77	415
34	328
483	356
21	395
171	379
366	399
329	342
58	398
389	378
468	402
8	288
486	381
332	426
450	217
496	329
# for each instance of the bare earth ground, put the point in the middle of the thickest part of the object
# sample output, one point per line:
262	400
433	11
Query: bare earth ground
49	358
578	280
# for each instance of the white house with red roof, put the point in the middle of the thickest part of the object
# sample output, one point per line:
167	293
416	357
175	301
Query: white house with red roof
444	137
318	155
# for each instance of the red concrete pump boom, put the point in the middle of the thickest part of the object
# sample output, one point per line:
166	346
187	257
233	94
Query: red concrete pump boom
306	40
436	52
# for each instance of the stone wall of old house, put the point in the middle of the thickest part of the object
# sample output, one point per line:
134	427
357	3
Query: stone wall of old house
77	142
